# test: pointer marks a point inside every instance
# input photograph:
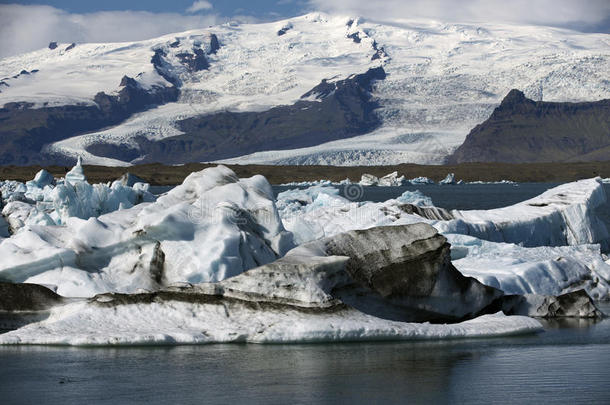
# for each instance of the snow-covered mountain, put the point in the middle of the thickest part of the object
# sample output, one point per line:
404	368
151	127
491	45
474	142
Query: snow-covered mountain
316	89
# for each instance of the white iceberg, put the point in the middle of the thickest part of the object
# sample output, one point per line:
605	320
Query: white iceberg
318	212
211	227
316	293
389	180
44	201
368	180
542	270
564	215
450	179
176	322
420	181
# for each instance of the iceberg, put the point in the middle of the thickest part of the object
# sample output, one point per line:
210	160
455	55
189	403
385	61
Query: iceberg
211	227
511	255
185	321
317	212
392	180
77	173
420	181
389	180
450	179
368	180
45	201
564	215
355	286
541	270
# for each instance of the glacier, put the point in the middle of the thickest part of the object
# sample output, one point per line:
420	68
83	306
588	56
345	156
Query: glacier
443	79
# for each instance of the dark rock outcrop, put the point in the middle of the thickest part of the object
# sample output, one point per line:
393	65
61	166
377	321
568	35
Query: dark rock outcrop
162	67
214	44
355	37
284	29
380	52
25	130
52	45
521	130
195	61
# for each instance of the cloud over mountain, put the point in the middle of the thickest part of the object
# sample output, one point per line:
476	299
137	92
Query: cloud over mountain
26	28
581	15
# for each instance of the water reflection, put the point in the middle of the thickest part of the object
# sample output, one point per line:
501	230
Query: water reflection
530	368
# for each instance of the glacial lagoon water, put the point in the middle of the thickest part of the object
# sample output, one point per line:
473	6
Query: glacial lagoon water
568	363
462	197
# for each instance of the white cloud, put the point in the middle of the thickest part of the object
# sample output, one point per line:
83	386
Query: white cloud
27	28
575	13
199	6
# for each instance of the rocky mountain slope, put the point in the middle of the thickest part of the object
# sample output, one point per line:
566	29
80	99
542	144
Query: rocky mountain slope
316	89
521	130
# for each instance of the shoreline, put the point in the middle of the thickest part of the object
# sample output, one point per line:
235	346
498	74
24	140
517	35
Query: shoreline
162	175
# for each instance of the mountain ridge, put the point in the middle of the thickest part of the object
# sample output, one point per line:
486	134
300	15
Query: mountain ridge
521	130
440	81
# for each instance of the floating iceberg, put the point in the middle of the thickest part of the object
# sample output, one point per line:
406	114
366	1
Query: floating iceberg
420	181
493	182
355	286
354	280
389	180
318	212
450	179
546	270
564	215
309	183
45	201
77	174
211	227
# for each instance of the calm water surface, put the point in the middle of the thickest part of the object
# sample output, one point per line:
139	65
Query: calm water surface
568	363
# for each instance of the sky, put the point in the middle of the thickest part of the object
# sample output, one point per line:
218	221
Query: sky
32	24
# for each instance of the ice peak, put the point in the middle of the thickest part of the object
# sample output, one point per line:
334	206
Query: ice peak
76	174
